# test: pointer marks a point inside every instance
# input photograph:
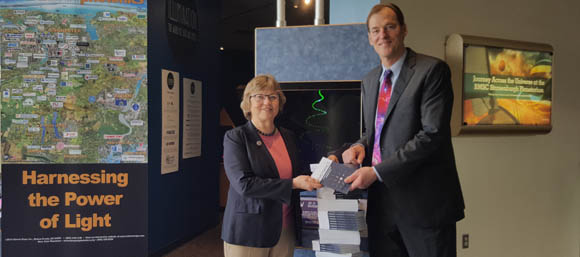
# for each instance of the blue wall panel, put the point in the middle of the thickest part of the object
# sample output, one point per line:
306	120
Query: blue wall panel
183	204
315	53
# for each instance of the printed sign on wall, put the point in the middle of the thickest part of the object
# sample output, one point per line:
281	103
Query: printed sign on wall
74	127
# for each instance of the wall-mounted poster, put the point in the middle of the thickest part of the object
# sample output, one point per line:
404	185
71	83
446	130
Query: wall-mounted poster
170	121
501	85
192	118
74	128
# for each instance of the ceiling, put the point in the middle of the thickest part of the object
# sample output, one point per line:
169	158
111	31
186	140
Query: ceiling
239	18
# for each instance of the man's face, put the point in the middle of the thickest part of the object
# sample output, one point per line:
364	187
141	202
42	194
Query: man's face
386	35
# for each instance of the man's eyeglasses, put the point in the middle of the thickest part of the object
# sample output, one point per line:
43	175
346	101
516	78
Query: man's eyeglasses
261	97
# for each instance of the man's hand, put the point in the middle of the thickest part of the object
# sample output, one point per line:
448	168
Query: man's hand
333	158
361	178
354	155
305	182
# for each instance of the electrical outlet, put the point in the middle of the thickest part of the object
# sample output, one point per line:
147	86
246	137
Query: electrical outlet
465	241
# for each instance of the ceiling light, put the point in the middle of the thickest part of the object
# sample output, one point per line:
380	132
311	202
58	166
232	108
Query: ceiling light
307	2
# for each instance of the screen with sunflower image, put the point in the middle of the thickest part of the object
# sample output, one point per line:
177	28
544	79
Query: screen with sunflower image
506	86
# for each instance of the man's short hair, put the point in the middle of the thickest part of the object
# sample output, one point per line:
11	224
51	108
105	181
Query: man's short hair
378	7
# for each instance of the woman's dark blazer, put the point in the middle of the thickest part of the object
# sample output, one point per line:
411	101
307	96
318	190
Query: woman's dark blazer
253	215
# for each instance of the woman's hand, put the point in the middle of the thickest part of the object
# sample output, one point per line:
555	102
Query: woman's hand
305	182
333	158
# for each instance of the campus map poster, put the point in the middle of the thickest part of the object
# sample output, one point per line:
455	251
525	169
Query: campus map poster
73	83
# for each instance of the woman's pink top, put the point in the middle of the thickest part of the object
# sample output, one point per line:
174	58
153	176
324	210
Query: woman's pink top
277	149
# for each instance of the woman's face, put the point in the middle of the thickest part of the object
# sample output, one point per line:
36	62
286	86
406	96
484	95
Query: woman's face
264	105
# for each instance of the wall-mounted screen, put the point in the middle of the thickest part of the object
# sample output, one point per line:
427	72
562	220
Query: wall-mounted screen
324	116
506	86
500	85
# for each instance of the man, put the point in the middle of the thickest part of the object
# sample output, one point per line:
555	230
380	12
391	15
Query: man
408	163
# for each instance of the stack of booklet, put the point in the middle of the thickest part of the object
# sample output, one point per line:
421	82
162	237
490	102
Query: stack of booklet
341	223
309	228
333	218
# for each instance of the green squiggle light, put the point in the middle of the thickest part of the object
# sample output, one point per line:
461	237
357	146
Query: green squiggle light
322	112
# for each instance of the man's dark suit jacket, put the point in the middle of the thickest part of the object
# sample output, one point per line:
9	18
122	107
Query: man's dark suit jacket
420	182
253	215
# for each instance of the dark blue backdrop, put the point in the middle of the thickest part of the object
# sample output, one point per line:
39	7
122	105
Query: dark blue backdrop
185	203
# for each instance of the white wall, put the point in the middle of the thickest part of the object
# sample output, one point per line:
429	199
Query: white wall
522	192
349	11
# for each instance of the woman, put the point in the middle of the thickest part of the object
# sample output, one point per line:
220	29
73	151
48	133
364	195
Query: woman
261	164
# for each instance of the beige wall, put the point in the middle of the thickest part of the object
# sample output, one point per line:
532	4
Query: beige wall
522	192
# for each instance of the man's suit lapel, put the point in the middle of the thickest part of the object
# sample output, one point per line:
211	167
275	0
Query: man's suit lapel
402	81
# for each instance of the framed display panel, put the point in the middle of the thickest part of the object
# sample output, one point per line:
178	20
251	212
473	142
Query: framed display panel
500	86
323	115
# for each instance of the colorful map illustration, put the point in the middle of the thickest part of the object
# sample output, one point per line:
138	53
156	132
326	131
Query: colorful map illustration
73	79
